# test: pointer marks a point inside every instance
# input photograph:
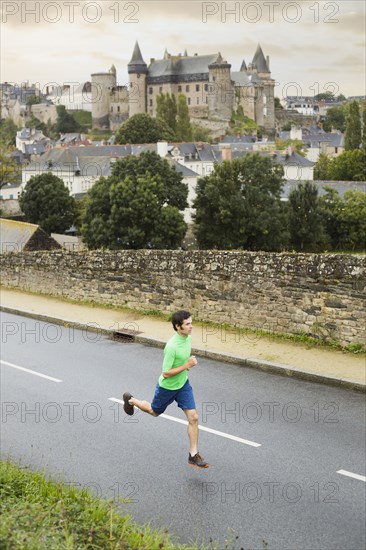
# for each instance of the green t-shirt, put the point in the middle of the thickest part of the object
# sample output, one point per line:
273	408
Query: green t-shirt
176	352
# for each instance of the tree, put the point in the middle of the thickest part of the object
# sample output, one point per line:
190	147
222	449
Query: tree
34	100
9	169
326	96
238	206
364	127
330	206
345	220
321	168
138	206
352	138
46	201
166	110
142	128
305	219
349	166
297	144
278	104
65	121
184	129
336	118
8	132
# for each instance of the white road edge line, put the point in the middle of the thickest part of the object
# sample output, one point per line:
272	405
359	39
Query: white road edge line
202	428
350	474
30	371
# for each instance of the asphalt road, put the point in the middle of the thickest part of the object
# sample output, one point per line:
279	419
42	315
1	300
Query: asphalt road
277	482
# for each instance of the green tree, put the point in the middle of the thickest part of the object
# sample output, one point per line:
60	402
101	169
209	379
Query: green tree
238	206
65	121
297	144
184	128
305	218
352	219
34	122
138	206
166	110
326	96
364	127
349	166
335	118
8	132
352	139
345	219
330	206
199	133
9	169
321	168
46	201
34	100
142	128
278	104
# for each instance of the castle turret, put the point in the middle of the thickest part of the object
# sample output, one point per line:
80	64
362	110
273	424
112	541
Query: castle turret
221	89
102	85
264	103
137	70
260	63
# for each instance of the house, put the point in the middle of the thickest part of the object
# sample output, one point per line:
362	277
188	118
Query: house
20	236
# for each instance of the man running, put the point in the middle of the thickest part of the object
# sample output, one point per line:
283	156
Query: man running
173	384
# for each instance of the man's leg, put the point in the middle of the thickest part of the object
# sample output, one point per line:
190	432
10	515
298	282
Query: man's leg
194	458
192	417
144	406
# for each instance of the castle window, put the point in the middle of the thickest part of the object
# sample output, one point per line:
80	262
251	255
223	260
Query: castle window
188	100
150	90
197	87
187	88
206	87
150	102
118	108
206	99
112	109
198	100
160	89
179	88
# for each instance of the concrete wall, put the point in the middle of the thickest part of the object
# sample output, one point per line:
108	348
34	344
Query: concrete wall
322	295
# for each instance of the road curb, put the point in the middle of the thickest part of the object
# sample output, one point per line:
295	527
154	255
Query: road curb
266	366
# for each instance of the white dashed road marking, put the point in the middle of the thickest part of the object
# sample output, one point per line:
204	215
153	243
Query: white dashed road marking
202	428
350	474
30	371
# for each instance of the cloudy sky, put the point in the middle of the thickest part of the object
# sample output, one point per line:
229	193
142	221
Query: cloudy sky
313	45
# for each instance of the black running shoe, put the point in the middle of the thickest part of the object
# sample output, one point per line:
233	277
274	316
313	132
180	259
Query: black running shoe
129	409
197	460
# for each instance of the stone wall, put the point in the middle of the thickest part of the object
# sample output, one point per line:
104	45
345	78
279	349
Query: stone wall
323	295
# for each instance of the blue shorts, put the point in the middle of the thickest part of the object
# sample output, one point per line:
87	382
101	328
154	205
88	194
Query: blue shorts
163	397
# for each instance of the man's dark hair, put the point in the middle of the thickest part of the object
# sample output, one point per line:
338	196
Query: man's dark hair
178	317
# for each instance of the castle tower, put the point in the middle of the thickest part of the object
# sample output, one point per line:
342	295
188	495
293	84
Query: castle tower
264	105
102	85
221	89
137	70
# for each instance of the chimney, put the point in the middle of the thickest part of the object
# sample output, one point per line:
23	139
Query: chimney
226	153
162	148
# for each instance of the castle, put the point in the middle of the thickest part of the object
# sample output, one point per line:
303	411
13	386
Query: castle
212	90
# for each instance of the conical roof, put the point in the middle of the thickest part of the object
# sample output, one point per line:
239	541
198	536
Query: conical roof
260	61
137	64
243	66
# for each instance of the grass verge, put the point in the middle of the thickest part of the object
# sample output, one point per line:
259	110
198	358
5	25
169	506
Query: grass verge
39	513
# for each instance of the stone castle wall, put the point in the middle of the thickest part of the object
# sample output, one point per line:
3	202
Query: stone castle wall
322	295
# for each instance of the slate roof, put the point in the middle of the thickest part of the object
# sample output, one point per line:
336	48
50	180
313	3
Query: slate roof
17	236
178	65
241	78
340	186
238	139
260	61
137	64
186	172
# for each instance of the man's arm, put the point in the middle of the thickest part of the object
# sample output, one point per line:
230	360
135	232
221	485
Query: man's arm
192	361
